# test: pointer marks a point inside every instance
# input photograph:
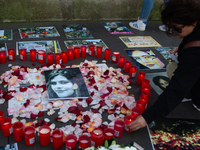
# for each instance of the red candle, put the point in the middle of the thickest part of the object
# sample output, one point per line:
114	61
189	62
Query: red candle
128	120
99	51
41	56
11	54
18	132
64	56
132	72
23	55
146	95
76	52
109	133
29	135
118	127
121	61
44	134
70	142
141	76
57	135
143	97
1	117
84	141
115	57
97	137
6	126
145	88
3	56
136	112
58	58
127	66
107	54
83	51
91	50
144	82
70	54
50	57
33	55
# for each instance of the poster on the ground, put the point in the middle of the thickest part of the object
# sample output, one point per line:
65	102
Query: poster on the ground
9	147
3	47
6	35
167	53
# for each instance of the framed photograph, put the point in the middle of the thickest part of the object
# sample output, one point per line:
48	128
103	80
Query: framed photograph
65	83
6	35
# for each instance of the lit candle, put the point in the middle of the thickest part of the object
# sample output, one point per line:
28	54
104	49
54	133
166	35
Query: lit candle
1	117
107	54
29	135
99	51
128	120
84	141
109	133
6	126
97	137
57	136
141	76
3	56
145	95
50	57
127	66
41	56
115	57
91	50
70	142
136	112
83	51
18	132
132	72
144	82
121	61
33	55
118	127
11	54
70	54
76	52
23	55
58	58
64	56
44	134
145	88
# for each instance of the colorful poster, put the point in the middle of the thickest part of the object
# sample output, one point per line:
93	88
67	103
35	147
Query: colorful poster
75	31
38	32
175	134
47	46
3	47
145	59
139	41
116	28
166	52
6	35
9	147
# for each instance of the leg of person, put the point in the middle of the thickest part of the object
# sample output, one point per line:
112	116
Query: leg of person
196	96
162	27
140	24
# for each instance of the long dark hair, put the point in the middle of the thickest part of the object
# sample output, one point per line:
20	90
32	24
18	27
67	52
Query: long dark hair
157	78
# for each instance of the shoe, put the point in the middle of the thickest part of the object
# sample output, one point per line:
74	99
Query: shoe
162	28
197	107
138	25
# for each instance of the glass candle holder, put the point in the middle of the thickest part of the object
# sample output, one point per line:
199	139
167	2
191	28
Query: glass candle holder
107	54
58	58
145	95
91	50
50	58
145	88
76	52
64	56
33	55
18	131
109	133
29	135
1	117
41	56
99	51
70	54
118	127
141	76
11	54
83	51
70	142
136	112
57	136
121	61
97	137
115	56
132	72
3	56
128	120
23	55
44	134
6	126
144	82
127	66
84	141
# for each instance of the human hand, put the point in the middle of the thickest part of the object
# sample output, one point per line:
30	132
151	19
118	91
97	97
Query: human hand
140	122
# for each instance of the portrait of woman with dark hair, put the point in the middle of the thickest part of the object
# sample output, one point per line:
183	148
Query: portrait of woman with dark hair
161	81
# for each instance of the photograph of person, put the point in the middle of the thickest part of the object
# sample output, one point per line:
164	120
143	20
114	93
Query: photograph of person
65	83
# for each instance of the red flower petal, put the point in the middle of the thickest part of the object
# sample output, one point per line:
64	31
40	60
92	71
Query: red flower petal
86	118
41	122
58	118
16	72
109	89
94	110
95	87
92	94
71	108
73	124
41	113
23	89
89	100
81	108
33	116
33	64
106	72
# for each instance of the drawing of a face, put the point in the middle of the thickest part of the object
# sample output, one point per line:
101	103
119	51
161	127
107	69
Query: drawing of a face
163	83
62	86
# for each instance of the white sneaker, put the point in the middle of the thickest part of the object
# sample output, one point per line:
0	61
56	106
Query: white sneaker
162	28
138	25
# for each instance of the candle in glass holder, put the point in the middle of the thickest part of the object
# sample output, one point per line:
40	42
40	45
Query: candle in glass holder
58	58
97	137
144	82
99	51
18	131
50	57
22	54
109	133
141	76
11	54
76	52
107	54
121	61
91	50
118	127
83	51
145	95
70	54
115	56
136	112
128	120
141	105
57	136
3	56
44	134
70	142
33	55
127	66
41	56
29	135
145	98
6	126
132	71
64	56
145	88
1	117
84	141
